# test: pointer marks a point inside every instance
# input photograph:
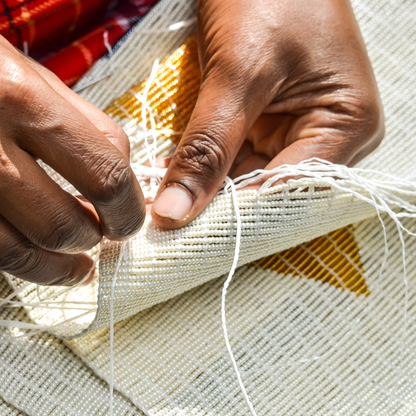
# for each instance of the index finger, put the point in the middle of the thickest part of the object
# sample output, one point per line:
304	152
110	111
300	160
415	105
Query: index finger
67	141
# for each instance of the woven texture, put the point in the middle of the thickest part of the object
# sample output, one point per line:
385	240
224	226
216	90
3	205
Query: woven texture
304	347
41	376
317	329
132	60
8	410
162	264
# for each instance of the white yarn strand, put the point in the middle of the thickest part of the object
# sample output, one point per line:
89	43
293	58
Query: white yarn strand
230	183
171	28
113	286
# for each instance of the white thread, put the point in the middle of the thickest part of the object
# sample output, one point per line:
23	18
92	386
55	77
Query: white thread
95	80
25	48
136	136
14	293
112	71
230	183
107	44
15	304
182	24
43	304
40	328
145	172
146	108
151	153
171	28
68	289
113	286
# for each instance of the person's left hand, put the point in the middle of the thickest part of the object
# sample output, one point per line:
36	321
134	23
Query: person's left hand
282	81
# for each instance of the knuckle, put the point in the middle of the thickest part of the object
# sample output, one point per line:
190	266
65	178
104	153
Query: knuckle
115	134
114	182
14	79
365	118
369	120
121	135
203	154
18	257
66	235
9	174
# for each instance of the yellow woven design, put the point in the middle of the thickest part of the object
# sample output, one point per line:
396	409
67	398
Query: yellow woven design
171	96
333	259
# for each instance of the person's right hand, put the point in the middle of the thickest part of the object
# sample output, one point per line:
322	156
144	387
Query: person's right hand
43	229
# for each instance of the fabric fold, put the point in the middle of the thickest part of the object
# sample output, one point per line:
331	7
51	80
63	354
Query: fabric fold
163	264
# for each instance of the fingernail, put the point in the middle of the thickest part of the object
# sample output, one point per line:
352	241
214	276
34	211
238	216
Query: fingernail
88	277
174	202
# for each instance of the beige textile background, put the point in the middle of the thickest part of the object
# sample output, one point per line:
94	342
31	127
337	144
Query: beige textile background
305	347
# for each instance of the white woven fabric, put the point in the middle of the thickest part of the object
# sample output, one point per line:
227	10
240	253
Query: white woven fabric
160	263
39	376
304	347
8	410
389	30
163	264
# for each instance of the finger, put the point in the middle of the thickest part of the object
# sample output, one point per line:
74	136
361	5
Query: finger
68	142
338	138
204	156
245	151
108	127
44	213
23	259
100	120
250	164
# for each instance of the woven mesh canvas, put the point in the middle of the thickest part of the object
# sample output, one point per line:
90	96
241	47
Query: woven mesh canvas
7	410
320	328
41	376
305	345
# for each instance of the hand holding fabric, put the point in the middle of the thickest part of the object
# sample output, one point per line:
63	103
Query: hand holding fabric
282	81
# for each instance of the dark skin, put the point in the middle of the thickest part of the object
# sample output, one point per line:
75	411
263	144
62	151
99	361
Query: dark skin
43	229
283	81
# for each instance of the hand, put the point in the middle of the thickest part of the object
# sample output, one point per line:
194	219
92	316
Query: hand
44	229
282	81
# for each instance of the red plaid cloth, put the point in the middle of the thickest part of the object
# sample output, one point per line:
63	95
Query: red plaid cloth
41	22
46	26
82	53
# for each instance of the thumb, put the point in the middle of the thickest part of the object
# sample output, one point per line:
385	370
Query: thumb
203	158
